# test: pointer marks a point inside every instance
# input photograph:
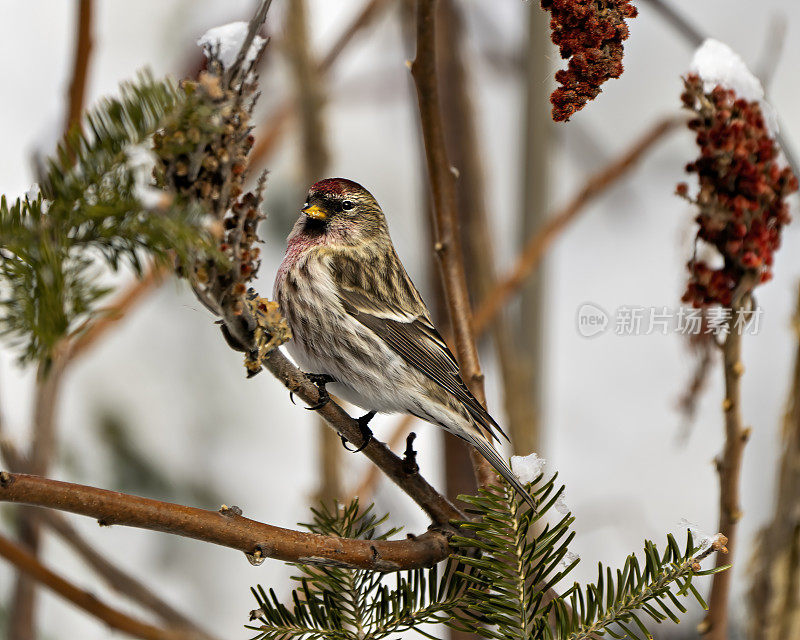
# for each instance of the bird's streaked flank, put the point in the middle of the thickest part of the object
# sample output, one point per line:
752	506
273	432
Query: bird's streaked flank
357	319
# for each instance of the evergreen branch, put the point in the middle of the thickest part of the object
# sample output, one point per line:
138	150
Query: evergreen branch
499	581
636	590
340	603
96	209
508	581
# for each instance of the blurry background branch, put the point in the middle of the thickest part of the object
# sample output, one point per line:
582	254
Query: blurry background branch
310	97
27	563
80	67
21	624
528	330
97	328
537	246
465	153
281	115
774	597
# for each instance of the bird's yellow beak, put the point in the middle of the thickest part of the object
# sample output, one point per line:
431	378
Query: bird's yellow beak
316	212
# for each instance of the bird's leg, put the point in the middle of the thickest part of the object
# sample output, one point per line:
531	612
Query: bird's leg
366	432
320	379
410	456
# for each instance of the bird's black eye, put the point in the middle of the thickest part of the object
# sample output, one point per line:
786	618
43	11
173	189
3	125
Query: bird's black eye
347	204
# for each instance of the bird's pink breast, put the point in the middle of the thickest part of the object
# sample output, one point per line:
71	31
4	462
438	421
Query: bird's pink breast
297	246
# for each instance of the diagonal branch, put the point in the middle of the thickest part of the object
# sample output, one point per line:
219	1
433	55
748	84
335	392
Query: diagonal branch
538	244
438	508
225	527
442	184
27	563
87	336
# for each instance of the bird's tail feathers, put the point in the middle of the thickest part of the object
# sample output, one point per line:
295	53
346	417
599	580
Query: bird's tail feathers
494	458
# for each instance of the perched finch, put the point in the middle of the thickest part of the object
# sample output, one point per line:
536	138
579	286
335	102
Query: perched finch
359	323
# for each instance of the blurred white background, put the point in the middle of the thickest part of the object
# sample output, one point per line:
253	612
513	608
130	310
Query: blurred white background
610	416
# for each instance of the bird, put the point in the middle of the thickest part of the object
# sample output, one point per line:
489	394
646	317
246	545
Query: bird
360	326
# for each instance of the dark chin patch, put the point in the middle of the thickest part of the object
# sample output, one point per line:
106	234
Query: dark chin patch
315	227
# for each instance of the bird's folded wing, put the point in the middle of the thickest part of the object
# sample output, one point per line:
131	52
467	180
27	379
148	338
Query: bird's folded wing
411	334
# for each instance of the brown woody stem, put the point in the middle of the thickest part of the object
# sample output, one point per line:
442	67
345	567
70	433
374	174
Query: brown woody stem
729	465
224	527
443	191
439	508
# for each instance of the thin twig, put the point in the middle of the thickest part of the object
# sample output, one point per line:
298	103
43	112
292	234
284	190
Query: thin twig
442	184
119	580
729	464
225	527
280	117
253	26
27	563
80	67
438	507
695	37
366	488
537	246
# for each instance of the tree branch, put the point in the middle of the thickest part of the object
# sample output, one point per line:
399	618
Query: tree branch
22	618
27	563
80	67
442	184
226	527
280	117
122	582
774	589
438	508
729	465
537	245
21	624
